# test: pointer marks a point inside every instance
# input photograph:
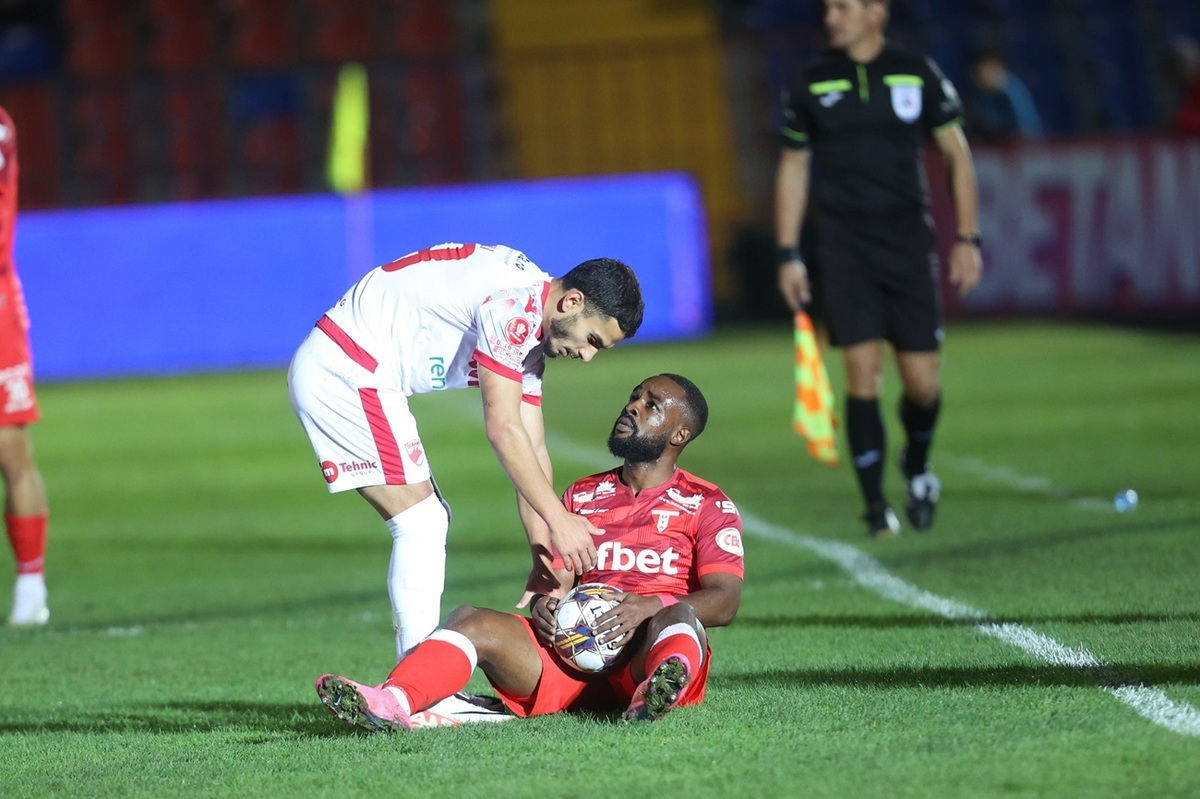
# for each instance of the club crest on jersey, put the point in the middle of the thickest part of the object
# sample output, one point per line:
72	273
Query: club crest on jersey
663	517
730	540
517	330
416	452
906	102
691	503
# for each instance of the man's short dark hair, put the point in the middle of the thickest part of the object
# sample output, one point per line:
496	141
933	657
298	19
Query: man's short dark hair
694	400
610	288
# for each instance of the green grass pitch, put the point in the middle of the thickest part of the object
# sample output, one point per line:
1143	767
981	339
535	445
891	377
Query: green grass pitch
1035	643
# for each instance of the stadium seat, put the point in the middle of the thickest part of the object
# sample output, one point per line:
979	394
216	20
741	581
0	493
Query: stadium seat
195	139
103	48
341	30
263	34
183	35
32	108
433	126
422	28
1037	56
272	157
104	145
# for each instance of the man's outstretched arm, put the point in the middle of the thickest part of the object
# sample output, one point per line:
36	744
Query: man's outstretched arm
570	534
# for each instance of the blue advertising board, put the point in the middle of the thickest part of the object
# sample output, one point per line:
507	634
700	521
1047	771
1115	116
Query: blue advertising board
234	284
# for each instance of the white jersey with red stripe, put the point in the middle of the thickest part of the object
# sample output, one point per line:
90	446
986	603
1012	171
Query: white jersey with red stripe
431	317
661	540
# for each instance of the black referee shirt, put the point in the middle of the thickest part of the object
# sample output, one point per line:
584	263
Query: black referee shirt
867	125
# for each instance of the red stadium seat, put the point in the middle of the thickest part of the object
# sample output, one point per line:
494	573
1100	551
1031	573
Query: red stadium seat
104	153
423	28
183	35
272	157
103	48
263	34
195	140
342	30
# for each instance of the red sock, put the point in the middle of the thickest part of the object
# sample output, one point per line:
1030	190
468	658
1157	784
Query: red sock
27	534
678	641
436	668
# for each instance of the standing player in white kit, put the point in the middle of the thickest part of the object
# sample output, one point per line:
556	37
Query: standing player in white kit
453	316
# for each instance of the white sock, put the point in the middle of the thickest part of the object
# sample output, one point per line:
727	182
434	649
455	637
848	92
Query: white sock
679	628
417	574
29	600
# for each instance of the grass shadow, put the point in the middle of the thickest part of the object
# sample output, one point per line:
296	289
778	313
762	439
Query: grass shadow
173	718
1013	676
923	621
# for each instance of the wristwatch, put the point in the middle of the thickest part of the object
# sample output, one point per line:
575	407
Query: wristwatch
784	255
972	239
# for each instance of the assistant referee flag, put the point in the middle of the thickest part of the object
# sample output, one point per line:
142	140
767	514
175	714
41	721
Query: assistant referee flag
813	417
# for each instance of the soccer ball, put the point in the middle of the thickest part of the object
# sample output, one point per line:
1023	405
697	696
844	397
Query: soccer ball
574	633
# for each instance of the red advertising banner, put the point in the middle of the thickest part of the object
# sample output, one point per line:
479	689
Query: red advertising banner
1089	227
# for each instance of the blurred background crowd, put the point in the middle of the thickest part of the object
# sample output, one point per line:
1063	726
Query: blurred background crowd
142	101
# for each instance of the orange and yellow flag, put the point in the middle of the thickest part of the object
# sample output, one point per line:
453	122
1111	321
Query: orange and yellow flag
814	418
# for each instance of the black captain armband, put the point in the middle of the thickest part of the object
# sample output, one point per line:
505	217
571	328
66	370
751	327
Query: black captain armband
973	239
786	255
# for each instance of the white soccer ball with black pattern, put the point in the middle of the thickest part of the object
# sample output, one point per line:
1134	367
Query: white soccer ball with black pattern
575	631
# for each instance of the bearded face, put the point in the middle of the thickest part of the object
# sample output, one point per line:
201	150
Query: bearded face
628	443
560	330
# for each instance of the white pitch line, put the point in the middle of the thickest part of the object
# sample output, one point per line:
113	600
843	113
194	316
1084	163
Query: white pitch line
1151	703
1010	477
1148	702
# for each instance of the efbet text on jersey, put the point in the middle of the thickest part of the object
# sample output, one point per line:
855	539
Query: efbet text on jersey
612	556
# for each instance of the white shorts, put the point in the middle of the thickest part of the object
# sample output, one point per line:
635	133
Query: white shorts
359	425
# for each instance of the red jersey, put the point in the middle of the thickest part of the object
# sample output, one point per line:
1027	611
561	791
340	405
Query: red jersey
8	198
663	540
18	402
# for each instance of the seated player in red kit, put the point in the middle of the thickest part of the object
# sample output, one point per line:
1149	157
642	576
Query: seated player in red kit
672	547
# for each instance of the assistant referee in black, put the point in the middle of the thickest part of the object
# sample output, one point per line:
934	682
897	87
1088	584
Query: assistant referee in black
858	118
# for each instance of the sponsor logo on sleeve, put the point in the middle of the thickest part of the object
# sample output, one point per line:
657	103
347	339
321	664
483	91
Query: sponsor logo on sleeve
730	540
517	330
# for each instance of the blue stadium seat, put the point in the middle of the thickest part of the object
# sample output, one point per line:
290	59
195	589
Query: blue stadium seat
1036	55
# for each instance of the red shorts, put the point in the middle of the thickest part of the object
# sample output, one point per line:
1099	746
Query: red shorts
18	402
563	688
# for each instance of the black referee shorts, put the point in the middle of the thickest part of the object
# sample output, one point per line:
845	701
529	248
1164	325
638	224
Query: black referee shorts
879	280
